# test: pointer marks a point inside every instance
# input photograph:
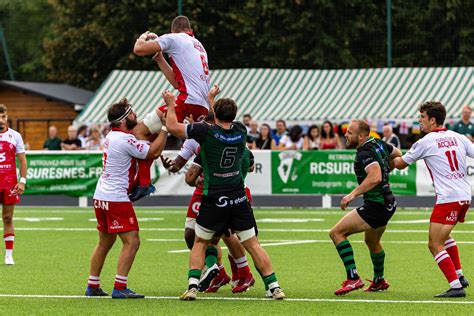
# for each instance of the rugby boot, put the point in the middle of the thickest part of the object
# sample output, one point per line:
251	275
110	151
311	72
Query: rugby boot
189	295
207	278
464	281
220	280
349	286
127	293
95	291
277	294
381	285
453	293
140	192
244	284
9	260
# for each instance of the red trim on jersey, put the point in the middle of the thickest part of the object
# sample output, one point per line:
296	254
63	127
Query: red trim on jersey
439	129
183	92
132	172
432	180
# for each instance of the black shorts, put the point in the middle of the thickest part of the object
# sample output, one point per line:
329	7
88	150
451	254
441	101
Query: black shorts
377	214
229	210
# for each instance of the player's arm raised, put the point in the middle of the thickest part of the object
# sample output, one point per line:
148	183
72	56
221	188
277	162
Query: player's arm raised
374	177
20	187
146	44
165	68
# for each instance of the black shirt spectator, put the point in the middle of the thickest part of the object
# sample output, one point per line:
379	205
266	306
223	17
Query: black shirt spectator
53	142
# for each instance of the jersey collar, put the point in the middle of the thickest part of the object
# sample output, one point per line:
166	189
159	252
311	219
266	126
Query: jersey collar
115	129
369	139
439	129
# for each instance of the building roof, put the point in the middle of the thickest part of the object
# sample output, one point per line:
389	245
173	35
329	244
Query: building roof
304	95
55	91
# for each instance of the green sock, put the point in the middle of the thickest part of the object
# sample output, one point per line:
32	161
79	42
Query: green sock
211	256
270	281
378	260
261	275
346	253
193	278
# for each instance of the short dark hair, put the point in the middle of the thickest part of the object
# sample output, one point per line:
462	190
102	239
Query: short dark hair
281	121
225	110
363	128
3	108
295	133
247	115
210	117
434	109
117	110
180	23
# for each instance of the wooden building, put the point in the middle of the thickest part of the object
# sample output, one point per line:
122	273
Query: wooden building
34	106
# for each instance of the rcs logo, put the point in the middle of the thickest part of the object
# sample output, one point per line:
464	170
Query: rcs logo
3	157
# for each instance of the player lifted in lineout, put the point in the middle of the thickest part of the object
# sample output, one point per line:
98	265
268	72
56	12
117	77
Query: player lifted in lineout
113	209
188	72
444	153
224	204
11	146
372	168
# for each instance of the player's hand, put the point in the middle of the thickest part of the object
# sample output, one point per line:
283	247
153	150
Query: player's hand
215	90
19	188
346	200
150	35
199	182
167	162
169	98
189	119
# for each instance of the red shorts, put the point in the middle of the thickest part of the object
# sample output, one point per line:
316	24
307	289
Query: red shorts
115	217
184	109
249	195
450	213
194	205
7	197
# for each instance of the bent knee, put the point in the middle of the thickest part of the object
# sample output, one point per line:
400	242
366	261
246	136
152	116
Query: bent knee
7	219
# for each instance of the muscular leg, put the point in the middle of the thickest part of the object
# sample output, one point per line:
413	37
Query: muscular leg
106	241
131	243
377	254
189	235
7	217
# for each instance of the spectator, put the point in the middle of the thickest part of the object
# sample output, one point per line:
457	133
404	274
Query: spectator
72	142
464	126
252	134
105	129
82	135
264	140
312	140
280	131
329	139
390	137
53	142
293	140
246	121
94	141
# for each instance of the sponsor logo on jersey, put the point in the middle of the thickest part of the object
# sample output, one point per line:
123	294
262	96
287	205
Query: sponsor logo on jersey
287	169
195	207
3	157
116	225
224	201
131	220
453	217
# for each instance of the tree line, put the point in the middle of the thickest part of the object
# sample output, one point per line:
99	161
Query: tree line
80	41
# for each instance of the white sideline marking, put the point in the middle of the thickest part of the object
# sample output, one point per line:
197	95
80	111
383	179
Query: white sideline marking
248	299
295	242
38	219
274	230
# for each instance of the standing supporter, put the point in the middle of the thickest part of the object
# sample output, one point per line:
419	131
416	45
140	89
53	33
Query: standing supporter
72	142
252	134
312	138
188	72
294	140
465	126
113	209
265	139
94	141
444	153
53	142
329	139
389	136
11	147
280	131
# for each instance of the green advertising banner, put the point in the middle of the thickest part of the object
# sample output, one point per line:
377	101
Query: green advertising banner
327	172
63	173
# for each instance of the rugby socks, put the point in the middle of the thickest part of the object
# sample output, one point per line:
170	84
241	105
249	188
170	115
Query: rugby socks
346	253
453	251
271	282
263	278
193	278
144	176
120	282
378	262
233	267
211	256
447	267
9	239
93	282
242	266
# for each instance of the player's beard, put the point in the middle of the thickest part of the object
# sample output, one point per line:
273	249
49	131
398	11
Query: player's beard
130	123
351	144
2	126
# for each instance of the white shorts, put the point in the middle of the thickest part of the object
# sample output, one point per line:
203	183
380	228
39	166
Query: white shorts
190	223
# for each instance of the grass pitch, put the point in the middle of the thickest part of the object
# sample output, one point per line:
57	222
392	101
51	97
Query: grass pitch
53	247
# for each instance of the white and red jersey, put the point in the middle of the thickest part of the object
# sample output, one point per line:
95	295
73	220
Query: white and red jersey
119	166
189	148
445	154
190	66
11	144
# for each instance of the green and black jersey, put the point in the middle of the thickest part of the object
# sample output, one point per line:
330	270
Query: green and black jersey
370	152
222	153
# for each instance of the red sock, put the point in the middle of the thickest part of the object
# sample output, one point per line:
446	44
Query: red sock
243	267
9	239
453	251
144	177
94	281
233	267
446	265
120	282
